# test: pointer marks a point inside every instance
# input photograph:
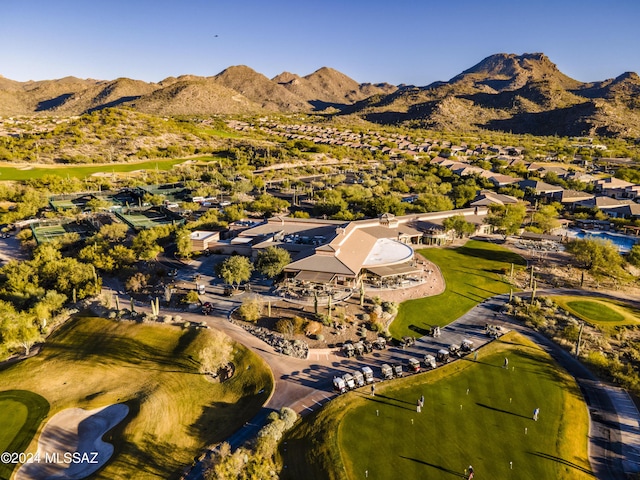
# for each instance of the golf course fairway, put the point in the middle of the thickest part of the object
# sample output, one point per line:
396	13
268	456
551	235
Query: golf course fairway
475	413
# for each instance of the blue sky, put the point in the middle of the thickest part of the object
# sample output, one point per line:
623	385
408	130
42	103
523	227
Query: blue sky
396	41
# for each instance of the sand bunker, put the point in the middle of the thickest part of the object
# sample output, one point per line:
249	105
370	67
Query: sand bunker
70	445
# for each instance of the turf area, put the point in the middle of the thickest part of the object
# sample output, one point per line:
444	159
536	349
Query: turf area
599	311
10	172
472	273
174	410
22	414
475	413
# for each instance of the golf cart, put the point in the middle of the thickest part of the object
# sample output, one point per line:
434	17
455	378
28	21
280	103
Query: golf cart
397	369
207	308
413	365
358	377
348	350
387	372
454	349
407	342
348	379
368	374
380	343
435	332
359	348
430	361
467	345
494	331
339	385
368	346
442	355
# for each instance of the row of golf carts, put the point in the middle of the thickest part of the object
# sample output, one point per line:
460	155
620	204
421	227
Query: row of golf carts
350	349
364	376
349	381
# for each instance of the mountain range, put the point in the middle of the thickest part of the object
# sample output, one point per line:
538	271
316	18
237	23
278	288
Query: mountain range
504	92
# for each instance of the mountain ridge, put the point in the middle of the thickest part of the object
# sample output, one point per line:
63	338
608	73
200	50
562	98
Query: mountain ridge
503	91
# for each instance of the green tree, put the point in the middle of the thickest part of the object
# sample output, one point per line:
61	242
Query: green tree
268	205
184	247
546	218
272	260
217	354
112	232
145	244
634	255
235	270
463	194
600	258
506	219
458	224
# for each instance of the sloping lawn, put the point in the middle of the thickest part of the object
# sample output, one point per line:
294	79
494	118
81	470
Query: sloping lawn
472	273
174	410
596	310
475	413
21	413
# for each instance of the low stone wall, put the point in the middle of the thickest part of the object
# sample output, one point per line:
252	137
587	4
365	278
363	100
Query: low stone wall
293	348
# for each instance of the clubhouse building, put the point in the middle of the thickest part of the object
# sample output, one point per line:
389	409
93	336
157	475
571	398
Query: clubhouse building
377	251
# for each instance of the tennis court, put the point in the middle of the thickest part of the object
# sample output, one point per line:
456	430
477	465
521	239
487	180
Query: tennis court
49	233
144	219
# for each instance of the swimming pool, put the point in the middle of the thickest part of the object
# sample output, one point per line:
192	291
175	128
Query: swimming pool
623	242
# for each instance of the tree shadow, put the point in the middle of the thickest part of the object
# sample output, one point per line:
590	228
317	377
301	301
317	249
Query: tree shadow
437	467
501	410
419	330
562	461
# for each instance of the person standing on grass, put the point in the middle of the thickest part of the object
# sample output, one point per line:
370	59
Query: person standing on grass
506	363
373	389
535	414
418	407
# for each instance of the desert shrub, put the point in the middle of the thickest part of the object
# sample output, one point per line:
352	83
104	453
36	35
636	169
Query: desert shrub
299	324
320	337
313	328
250	310
365	317
390	307
286	326
191	297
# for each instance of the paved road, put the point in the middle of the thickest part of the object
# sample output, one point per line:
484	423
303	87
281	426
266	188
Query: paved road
306	384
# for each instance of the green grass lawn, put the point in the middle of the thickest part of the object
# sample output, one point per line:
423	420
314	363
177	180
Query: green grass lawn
174	411
386	437
8	172
472	273
598	311
21	413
